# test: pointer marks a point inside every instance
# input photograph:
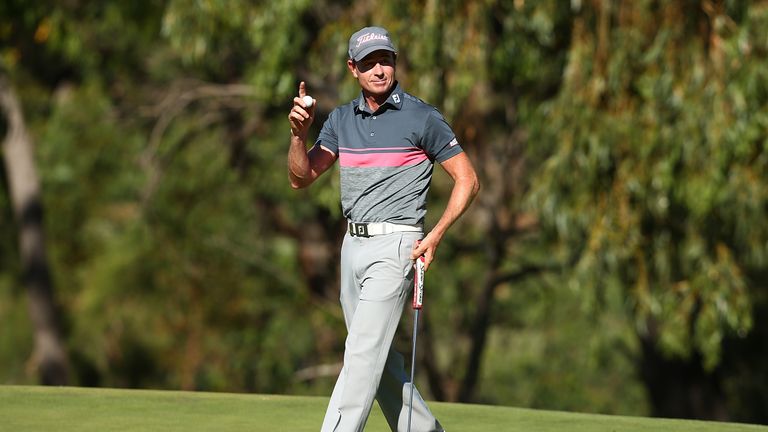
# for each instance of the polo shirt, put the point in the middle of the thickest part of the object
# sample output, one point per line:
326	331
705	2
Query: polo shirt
386	157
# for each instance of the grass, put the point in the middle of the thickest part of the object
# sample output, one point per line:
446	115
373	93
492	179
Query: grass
65	409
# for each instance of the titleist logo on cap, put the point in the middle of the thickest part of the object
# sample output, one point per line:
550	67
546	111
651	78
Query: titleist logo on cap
370	37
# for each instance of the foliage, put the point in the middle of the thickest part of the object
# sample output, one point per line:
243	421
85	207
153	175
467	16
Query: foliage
664	129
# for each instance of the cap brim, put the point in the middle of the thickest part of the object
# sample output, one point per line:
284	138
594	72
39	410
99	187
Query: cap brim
367	50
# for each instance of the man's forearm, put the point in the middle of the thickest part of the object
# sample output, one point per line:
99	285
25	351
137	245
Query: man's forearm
299	169
464	191
465	187
305	166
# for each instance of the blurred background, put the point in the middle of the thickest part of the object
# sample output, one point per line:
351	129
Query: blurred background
615	261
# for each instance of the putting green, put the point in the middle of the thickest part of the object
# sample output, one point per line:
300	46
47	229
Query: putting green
65	409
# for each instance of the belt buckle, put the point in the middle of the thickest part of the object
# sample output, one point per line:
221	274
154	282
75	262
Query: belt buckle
358	229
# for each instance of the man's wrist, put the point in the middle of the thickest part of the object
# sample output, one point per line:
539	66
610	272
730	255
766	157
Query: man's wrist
298	136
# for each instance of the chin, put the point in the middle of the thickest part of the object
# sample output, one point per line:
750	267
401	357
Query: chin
381	89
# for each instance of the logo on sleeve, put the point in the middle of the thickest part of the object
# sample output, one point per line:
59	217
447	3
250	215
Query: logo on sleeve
453	142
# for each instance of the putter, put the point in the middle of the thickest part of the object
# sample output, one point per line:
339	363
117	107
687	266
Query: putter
418	299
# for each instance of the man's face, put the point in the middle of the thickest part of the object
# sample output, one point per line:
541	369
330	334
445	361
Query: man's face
375	72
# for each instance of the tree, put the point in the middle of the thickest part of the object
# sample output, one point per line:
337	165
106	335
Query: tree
657	163
49	358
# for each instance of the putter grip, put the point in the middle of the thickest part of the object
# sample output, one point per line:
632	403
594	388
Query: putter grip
418	283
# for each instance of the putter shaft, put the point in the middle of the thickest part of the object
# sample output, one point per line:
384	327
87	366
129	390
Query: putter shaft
418	302
413	364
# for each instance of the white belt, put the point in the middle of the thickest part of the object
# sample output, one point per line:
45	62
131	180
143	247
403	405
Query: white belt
363	229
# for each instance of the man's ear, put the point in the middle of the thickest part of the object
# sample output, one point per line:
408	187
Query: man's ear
352	68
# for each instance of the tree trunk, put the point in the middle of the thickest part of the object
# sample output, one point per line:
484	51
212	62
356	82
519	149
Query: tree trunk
681	388
49	358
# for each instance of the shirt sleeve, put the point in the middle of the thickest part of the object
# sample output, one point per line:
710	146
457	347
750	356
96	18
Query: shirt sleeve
328	138
438	139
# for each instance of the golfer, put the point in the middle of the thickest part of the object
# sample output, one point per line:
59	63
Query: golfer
386	142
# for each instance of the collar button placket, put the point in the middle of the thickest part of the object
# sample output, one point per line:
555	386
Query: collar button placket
372	131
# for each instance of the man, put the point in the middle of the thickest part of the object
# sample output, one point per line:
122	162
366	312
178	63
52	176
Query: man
386	141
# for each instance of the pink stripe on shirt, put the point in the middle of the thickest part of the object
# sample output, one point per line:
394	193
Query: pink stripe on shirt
381	159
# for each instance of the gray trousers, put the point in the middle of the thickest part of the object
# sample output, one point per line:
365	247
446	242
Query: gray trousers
376	280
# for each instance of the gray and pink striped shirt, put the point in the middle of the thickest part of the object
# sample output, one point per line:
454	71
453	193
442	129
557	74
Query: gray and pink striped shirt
386	157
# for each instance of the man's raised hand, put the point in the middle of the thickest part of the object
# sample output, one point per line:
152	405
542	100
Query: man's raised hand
301	115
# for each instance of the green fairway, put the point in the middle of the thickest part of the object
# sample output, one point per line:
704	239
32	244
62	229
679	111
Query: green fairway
79	409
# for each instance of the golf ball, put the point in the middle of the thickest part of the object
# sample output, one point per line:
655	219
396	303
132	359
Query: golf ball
308	101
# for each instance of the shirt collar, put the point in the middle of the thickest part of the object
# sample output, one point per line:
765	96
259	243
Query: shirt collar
395	100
